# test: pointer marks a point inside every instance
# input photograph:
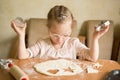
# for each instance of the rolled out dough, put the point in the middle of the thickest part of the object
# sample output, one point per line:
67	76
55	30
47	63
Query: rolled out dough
58	67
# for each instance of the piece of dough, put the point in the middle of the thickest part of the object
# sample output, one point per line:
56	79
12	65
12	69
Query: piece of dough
58	67
91	70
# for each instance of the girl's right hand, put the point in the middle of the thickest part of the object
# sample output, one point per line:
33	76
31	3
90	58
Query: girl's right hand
98	34
20	31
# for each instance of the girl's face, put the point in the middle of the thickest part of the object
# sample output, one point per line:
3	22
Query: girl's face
59	32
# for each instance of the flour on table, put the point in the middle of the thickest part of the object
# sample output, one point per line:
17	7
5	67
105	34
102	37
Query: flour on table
58	67
29	71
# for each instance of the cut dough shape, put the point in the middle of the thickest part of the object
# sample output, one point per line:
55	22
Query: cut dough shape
91	70
97	65
58	67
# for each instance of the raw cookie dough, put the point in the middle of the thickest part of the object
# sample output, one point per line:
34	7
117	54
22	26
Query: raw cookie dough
58	67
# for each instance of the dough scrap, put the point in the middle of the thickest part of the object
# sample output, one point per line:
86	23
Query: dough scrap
90	69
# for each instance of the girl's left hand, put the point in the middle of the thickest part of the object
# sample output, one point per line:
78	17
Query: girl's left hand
98	34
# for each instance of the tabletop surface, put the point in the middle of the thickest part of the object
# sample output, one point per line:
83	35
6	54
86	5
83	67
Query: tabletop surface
27	66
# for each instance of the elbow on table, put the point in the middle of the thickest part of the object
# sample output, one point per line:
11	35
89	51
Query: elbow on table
23	56
94	59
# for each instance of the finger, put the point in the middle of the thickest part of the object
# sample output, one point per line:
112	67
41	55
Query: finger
106	28
25	25
13	24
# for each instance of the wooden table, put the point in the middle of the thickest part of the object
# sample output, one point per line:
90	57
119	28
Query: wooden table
27	66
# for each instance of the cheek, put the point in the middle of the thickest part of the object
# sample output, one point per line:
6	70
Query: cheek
53	39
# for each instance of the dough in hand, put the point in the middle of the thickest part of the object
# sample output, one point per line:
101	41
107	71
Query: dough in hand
58	67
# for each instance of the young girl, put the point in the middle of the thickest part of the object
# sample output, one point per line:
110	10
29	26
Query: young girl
59	44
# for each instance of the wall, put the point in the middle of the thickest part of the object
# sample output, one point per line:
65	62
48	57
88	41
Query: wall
82	10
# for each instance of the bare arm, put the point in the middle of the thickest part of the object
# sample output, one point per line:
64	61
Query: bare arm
94	48
21	49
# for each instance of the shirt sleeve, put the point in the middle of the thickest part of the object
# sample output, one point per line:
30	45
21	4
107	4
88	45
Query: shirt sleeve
35	49
82	50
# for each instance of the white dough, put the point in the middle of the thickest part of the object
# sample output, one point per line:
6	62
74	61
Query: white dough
61	65
91	70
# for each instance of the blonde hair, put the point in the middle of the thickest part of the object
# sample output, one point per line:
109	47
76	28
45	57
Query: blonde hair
60	14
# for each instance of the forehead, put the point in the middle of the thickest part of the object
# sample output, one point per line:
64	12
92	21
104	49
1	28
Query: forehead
61	28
